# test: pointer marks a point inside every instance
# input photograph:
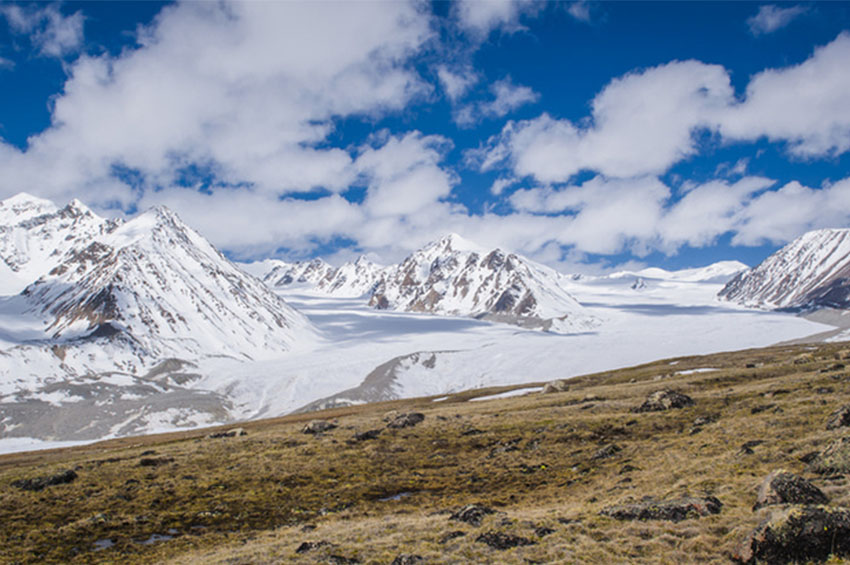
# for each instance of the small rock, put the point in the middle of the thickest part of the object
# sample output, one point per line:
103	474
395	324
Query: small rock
154	461
471	431
407	420
798	534
782	487
607	451
472	514
747	446
452	535
664	400
235	432
824	390
342	560
543	531
312	545
367	435
318	427
40	483
503	541
560	385
839	419
834	458
405	559
674	510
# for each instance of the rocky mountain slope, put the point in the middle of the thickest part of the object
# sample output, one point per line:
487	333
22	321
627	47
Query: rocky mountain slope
121	312
455	277
811	272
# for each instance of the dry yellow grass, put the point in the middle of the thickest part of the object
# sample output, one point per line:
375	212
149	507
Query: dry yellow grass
254	499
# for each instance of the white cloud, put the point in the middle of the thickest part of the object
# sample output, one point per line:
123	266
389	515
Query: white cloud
771	18
507	97
51	33
780	216
404	175
500	184
579	10
807	105
6	64
641	124
644	122
247	89
458	82
480	17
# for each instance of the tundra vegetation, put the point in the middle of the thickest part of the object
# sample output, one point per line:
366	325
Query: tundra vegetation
651	464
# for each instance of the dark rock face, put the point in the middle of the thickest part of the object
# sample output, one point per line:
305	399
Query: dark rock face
835	458
312	545
673	510
452	535
666	399
607	451
502	541
406	420
839	419
318	427
235	432
782	487
472	514
405	559
798	534
367	435
40	483
155	461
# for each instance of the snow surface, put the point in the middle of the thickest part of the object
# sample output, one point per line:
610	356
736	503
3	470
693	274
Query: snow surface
508	394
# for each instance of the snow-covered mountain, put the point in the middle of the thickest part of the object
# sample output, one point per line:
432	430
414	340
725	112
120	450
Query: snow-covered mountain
311	273
126	304
453	276
813	271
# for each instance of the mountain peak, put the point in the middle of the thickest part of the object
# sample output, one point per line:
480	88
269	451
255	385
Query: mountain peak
24	202
454	242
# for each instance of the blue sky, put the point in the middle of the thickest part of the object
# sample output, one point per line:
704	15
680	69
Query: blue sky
585	135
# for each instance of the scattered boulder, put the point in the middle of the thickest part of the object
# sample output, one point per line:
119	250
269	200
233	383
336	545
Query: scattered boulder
673	510
607	451
235	432
318	427
834	458
782	487
665	399
503	541
452	535
154	461
798	534
40	483
342	560
542	531
747	446
367	435
312	545
406	420
405	559
472	514
839	419
561	385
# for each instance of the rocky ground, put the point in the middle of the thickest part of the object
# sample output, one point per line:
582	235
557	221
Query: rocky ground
747	462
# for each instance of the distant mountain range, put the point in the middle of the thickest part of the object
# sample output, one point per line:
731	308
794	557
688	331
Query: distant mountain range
111	327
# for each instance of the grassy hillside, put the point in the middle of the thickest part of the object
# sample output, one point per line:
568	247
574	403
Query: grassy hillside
543	462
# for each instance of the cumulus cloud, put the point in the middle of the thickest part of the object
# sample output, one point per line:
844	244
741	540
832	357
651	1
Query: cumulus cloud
238	89
771	18
641	124
480	17
456	82
644	122
807	105
51	33
507	97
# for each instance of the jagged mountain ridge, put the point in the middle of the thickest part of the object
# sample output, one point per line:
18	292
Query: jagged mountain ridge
811	272
455	277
